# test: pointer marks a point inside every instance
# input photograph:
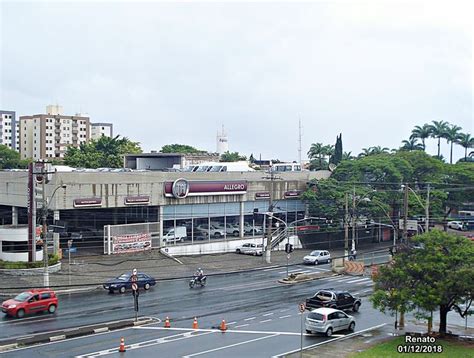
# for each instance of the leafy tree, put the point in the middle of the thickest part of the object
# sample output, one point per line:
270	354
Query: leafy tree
10	159
411	144
180	148
232	157
466	141
421	133
452	136
438	275
438	130
104	152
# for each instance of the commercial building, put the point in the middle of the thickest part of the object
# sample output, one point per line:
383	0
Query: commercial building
165	161
196	201
9	129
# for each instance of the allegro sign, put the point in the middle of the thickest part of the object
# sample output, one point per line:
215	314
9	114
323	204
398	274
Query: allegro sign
182	188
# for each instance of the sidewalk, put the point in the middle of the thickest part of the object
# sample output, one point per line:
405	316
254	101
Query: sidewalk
345	348
91	271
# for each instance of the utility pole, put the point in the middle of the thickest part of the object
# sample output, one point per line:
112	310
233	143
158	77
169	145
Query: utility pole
44	232
427	209
405	214
268	248
346	229
353	218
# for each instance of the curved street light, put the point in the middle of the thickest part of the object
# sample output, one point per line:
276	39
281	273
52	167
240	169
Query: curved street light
44	216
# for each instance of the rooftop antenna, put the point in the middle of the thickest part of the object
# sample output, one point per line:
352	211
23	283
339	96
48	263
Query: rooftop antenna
299	142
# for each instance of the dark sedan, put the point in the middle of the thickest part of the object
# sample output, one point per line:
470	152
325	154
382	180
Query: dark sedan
124	282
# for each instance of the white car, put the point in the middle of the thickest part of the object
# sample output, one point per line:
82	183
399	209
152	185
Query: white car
230	229
248	229
328	320
457	225
316	257
250	249
214	231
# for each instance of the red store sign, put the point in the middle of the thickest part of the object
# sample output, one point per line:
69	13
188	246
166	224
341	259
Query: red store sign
181	188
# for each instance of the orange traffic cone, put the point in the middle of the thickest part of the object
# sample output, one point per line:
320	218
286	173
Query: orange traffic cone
195	323
122	345
167	322
223	326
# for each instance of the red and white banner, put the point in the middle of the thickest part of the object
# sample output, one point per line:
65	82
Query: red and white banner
131	243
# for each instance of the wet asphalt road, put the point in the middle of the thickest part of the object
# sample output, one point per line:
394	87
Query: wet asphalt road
252	303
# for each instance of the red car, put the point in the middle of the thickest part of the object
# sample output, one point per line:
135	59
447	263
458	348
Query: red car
37	300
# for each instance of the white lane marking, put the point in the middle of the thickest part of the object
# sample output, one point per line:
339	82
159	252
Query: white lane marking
288	315
176	337
329	341
361	283
268	314
358	280
367	290
284	310
272	269
249	319
231	323
219	331
229	346
265	320
242	325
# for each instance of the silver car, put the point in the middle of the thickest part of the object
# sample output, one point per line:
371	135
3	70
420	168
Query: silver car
317	256
328	320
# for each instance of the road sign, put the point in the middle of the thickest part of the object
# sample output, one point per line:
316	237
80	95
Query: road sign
134	278
69	243
302	307
288	256
134	272
72	249
134	286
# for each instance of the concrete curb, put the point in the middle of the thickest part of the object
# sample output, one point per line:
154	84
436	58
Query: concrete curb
37	271
59	335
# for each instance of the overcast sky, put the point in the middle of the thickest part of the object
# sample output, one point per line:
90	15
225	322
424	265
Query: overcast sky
175	72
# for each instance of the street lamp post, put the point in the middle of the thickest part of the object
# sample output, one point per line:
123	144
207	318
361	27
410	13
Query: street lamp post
44	216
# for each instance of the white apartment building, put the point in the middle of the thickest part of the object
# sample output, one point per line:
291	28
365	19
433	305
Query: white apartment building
46	136
9	129
101	129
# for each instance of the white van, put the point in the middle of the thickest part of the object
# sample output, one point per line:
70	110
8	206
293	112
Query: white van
178	234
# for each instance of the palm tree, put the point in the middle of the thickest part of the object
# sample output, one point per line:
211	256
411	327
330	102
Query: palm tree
452	135
421	133
347	156
328	150
466	141
438	130
365	152
378	150
412	144
316	151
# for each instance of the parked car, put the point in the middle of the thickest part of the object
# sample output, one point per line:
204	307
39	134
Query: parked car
124	282
457	225
328	320
230	229
255	230
215	232
341	300
317	256
250	249
32	301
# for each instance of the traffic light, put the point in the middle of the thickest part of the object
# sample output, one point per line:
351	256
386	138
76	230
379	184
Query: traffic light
255	214
39	178
288	248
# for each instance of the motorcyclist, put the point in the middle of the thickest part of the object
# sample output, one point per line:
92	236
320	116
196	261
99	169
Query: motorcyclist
199	274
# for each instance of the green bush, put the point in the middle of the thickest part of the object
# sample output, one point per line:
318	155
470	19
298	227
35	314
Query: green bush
13	265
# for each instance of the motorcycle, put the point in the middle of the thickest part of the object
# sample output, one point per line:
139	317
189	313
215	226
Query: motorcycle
196	281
